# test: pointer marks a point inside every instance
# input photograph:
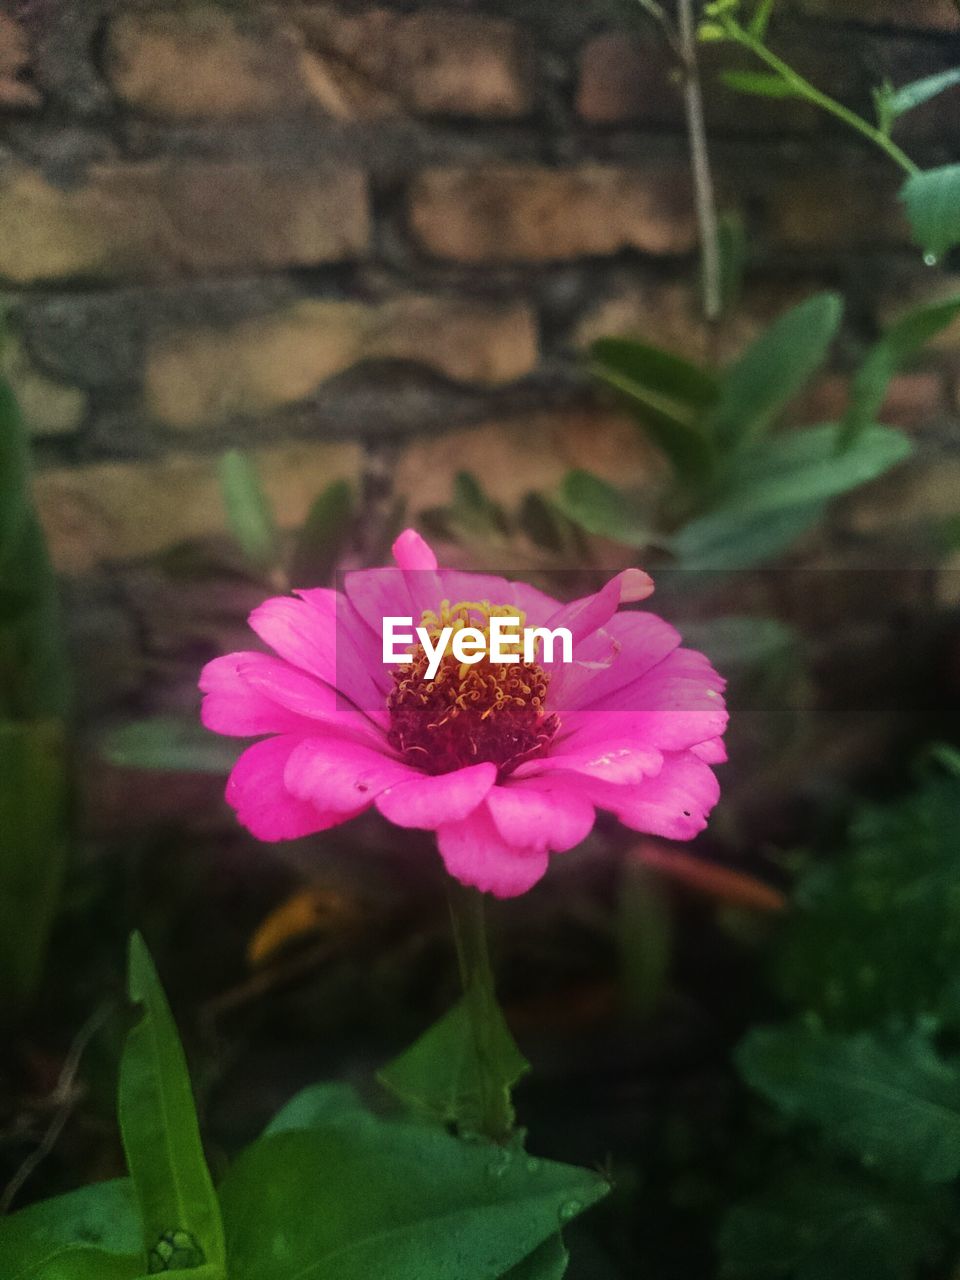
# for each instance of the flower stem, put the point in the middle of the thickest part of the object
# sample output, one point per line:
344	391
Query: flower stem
704	199
804	89
476	973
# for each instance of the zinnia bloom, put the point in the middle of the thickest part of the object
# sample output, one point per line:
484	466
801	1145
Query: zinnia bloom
507	763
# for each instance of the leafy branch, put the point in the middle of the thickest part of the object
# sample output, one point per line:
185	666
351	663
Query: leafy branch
724	25
931	197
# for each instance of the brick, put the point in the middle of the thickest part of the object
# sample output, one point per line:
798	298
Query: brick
117	511
919	15
16	90
623	78
206	62
431	63
204	375
49	408
158	220
849	208
534	451
527	213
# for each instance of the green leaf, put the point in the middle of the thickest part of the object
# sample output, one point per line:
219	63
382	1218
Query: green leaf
734	539
918	92
761	84
321	540
932	200
248	509
668	394
872	939
732	248
33	837
802	467
91	1234
902	340
14	470
357	1196
761	19
549	1262
893	1103
546	526
167	743
473	511
34	640
161	1137
315	1106
601	509
818	1224
34	671
774	369
440	1074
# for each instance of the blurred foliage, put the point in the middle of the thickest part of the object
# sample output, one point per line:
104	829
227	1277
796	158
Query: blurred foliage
35	702
865	1074
331	1189
741	493
931	197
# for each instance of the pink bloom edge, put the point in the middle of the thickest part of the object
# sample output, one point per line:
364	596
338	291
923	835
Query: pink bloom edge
641	723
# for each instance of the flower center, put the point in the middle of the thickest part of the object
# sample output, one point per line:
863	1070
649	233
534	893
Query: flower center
469	714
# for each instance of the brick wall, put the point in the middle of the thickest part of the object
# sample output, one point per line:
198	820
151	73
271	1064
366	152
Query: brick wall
372	241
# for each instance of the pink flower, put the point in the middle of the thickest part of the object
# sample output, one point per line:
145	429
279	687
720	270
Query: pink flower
507	763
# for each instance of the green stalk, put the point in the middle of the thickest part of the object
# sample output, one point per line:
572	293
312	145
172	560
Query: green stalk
804	89
476	973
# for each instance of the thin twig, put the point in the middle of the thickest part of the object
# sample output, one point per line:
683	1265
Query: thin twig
64	1097
802	88
660	17
703	189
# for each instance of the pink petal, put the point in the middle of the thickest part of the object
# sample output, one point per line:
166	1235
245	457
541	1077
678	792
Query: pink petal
307	632
411	552
713	751
613	759
457	585
534	816
673	706
341	775
303	633
256	791
476	854
628	646
232	707
307	697
428	802
674	804
584	616
635	585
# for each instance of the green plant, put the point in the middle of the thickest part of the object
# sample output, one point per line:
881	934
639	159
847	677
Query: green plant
34	715
863	1077
742	492
931	197
334	1189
